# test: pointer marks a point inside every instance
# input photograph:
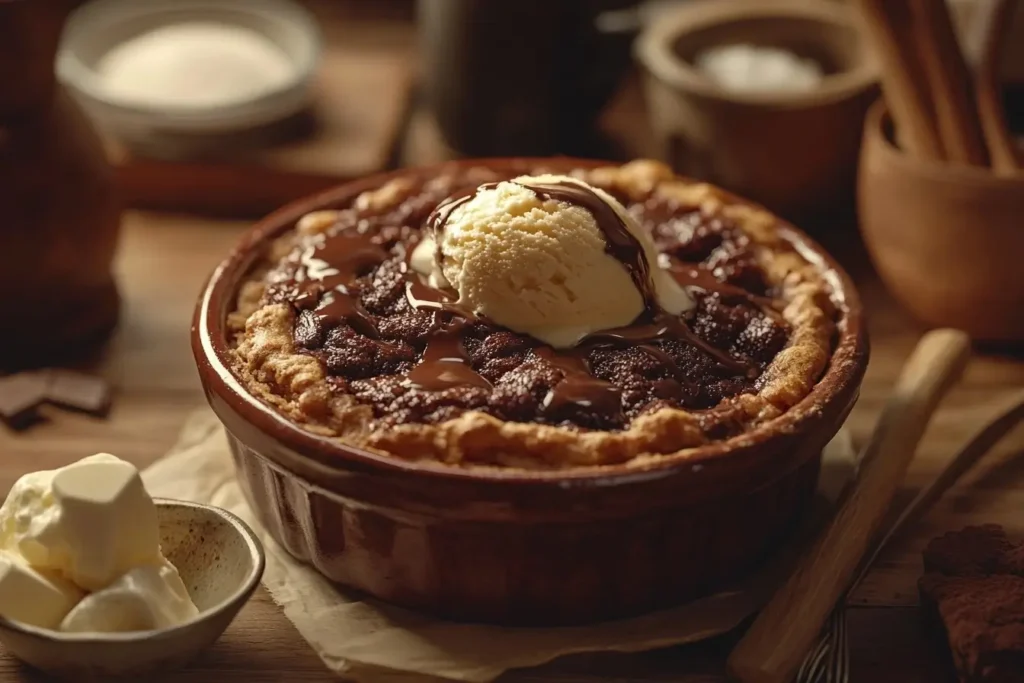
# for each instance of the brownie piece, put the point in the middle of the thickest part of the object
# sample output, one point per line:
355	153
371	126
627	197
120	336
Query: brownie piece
974	551
973	587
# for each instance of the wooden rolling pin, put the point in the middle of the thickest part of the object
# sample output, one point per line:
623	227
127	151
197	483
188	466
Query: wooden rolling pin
776	643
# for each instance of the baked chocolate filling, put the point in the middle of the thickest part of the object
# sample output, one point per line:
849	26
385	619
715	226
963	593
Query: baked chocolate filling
408	350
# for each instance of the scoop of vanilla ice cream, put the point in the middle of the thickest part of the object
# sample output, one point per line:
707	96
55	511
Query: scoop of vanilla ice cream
541	266
90	521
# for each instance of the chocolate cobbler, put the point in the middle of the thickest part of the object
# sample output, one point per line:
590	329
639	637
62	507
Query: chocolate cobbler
339	330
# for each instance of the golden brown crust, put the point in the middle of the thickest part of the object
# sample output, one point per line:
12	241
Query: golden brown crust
266	360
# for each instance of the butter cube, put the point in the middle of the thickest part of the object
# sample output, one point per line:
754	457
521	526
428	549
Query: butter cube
107	522
31	520
32	597
146	598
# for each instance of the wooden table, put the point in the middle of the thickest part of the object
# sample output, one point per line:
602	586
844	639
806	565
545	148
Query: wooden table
163	262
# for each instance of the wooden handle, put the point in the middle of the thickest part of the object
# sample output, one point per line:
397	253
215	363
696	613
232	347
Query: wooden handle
949	83
773	648
1001	147
888	27
980	444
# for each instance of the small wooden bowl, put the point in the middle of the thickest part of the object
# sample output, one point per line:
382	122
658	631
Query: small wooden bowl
793	152
221	562
947	240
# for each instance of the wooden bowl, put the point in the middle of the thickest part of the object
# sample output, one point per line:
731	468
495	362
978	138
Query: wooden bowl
793	152
522	547
948	241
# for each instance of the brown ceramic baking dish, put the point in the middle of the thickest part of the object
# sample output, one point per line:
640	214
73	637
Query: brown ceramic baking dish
519	547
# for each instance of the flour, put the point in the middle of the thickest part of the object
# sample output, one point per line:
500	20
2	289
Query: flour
750	68
194	65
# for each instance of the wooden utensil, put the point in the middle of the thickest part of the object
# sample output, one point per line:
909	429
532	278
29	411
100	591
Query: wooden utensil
888	25
980	444
1001	147
774	646
949	82
833	640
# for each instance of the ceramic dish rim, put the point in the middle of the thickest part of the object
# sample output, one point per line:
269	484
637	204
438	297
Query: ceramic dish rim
238	596
844	372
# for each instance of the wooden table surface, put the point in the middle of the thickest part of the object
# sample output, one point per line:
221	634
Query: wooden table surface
163	262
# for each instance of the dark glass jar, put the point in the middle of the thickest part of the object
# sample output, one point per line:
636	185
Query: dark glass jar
527	77
61	215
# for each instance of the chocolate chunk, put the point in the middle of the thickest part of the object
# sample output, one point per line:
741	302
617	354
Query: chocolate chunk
20	397
974	590
77	391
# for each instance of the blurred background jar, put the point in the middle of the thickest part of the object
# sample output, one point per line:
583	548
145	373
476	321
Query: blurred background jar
520	78
61	215
766	98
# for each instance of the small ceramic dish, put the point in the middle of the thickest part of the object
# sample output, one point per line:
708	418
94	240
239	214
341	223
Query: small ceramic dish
946	240
794	152
172	130
221	562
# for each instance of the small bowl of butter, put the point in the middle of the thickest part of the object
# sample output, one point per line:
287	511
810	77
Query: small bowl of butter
98	580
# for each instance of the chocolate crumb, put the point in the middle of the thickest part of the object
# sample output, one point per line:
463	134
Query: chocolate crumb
973	589
77	391
20	397
975	551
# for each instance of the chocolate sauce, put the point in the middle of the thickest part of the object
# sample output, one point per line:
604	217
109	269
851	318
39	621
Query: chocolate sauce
426	298
620	243
665	326
692	276
340	304
438	218
445	364
578	385
324	272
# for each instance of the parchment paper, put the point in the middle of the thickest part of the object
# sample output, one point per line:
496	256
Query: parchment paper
370	642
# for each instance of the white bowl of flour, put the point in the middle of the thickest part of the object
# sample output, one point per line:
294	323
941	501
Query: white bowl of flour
180	77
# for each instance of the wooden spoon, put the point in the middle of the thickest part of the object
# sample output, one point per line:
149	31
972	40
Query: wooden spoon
776	643
1001	146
